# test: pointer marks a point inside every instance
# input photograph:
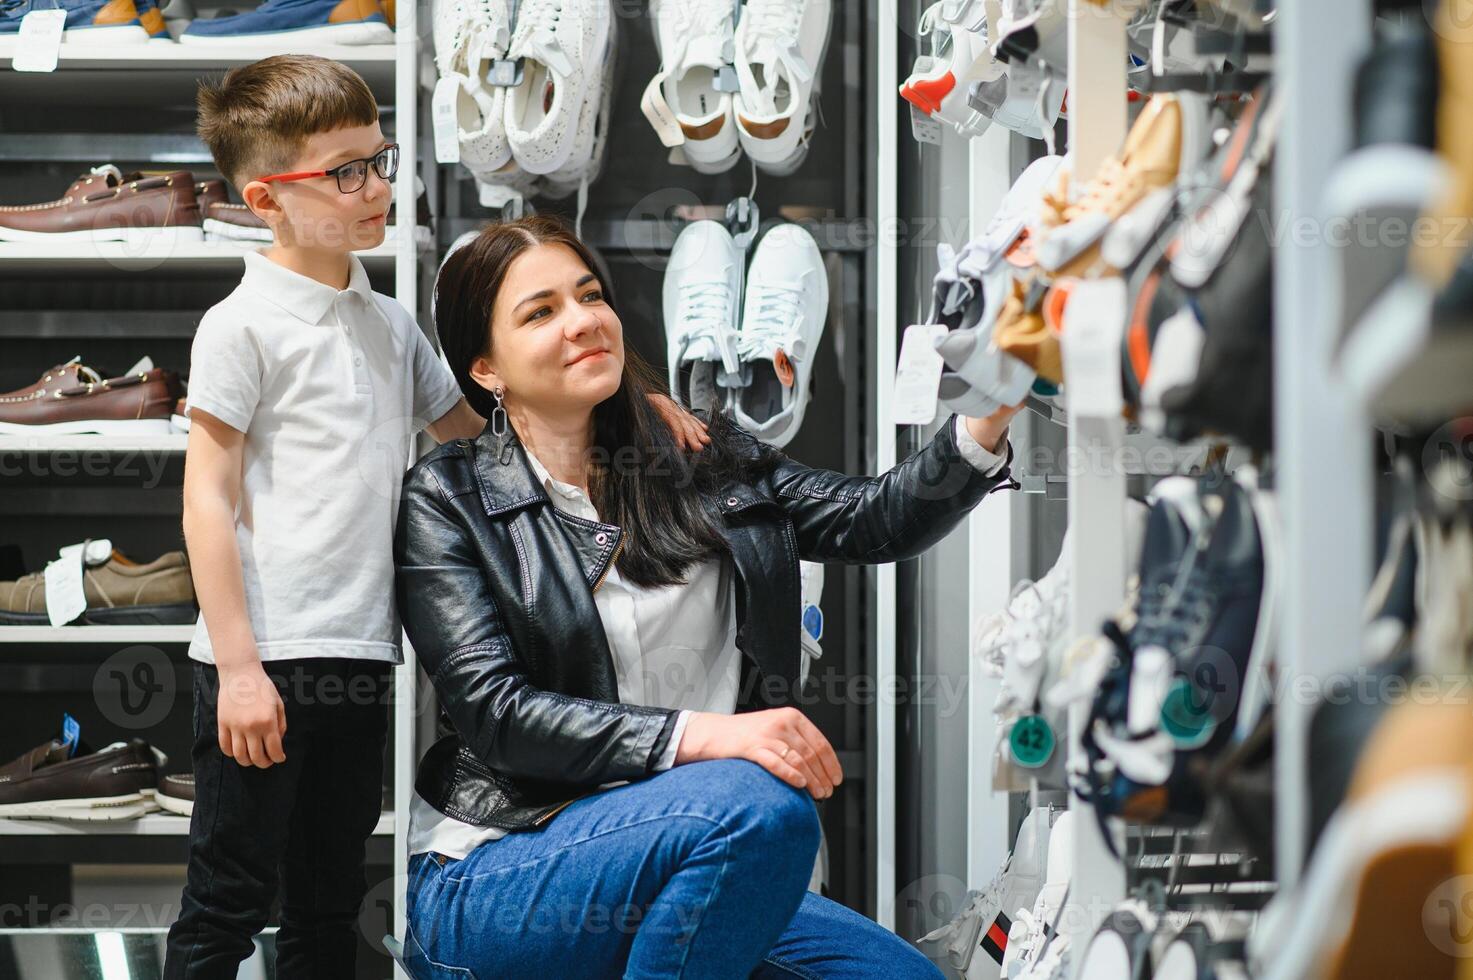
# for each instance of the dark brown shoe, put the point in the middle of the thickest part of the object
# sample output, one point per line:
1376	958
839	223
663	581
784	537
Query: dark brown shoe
234	222
104	206
119	592
116	783
135	404
176	794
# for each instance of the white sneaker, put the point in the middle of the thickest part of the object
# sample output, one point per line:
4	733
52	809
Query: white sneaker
562	46
695	39
959	56
585	163
702	284
783	315
780	46
450	24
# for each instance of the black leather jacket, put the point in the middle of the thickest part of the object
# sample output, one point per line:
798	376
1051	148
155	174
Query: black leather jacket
495	587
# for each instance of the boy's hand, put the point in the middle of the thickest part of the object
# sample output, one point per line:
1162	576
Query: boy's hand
688	430
251	717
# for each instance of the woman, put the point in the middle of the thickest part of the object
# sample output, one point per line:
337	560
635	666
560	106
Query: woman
593	605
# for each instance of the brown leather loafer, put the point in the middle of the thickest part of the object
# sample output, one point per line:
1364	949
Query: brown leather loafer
119	592
71	398
176	793
116	783
104	206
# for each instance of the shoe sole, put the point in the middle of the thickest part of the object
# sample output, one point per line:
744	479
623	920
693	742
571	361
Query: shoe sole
173	804
218	230
106	427
131	236
174	614
110	35
352	34
97	808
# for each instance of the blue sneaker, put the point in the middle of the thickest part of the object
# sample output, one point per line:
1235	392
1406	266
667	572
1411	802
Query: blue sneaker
99	21
298	22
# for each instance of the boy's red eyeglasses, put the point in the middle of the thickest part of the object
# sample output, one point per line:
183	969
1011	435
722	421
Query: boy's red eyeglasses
351	176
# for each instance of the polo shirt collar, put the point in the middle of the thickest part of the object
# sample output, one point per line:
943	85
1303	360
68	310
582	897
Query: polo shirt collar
302	297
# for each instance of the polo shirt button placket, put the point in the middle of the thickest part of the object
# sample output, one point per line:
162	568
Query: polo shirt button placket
361	384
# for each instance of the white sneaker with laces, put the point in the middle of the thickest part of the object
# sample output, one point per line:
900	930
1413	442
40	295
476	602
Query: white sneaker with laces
695	39
562	46
783	315
780	46
702	286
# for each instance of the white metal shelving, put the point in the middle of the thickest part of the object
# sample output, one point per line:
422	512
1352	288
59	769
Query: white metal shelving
149	825
173	442
90	74
96	634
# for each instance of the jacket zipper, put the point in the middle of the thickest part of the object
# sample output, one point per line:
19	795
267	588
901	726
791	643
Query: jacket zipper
618	550
555	811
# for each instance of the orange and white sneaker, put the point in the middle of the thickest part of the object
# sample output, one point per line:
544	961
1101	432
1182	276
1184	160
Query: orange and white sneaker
959	56
1169	137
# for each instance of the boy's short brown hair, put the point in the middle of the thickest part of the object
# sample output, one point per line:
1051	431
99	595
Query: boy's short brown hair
258	117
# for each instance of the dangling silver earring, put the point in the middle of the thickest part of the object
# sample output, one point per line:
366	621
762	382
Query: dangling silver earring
498	414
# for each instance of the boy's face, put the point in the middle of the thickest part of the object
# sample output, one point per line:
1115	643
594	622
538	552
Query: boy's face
313	212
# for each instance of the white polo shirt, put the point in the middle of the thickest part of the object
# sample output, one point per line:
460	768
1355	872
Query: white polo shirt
329	387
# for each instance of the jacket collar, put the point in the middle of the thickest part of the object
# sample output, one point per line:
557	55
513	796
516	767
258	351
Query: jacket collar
504	474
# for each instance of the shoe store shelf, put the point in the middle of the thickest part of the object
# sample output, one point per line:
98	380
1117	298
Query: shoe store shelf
96	634
162	255
150	825
375	62
174	442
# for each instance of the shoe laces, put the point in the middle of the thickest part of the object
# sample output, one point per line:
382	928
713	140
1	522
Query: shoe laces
774	20
705	309
771	324
703	18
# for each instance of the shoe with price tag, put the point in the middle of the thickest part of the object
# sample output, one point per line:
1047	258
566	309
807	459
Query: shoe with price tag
94	584
40	27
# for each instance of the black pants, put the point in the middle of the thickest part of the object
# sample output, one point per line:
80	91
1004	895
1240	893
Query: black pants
301	823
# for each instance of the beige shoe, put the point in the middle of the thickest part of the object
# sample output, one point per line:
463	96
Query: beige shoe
119	592
1022	333
1169	138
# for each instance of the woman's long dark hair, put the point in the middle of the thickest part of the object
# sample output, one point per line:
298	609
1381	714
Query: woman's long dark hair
641	478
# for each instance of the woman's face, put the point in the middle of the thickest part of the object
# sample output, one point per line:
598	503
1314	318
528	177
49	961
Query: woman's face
556	345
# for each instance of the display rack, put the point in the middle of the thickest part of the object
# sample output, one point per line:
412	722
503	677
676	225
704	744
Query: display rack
94	75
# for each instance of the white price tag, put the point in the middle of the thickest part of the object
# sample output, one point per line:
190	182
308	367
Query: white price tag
66	598
1094	322
923	127
443	120
918	374
38	44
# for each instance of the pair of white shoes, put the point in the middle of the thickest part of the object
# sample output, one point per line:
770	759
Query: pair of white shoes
544	131
749	351
725	86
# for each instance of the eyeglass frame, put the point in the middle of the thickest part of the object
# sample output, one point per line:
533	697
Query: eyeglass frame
336	172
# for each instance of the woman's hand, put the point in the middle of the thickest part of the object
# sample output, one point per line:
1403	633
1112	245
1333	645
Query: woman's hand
991	430
688	430
780	740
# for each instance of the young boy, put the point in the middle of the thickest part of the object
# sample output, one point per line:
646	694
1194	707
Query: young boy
306	389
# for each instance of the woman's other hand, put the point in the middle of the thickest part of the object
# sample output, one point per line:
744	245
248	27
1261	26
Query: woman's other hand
780	740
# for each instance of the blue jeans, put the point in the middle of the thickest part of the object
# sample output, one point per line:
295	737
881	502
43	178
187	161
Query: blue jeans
700	871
